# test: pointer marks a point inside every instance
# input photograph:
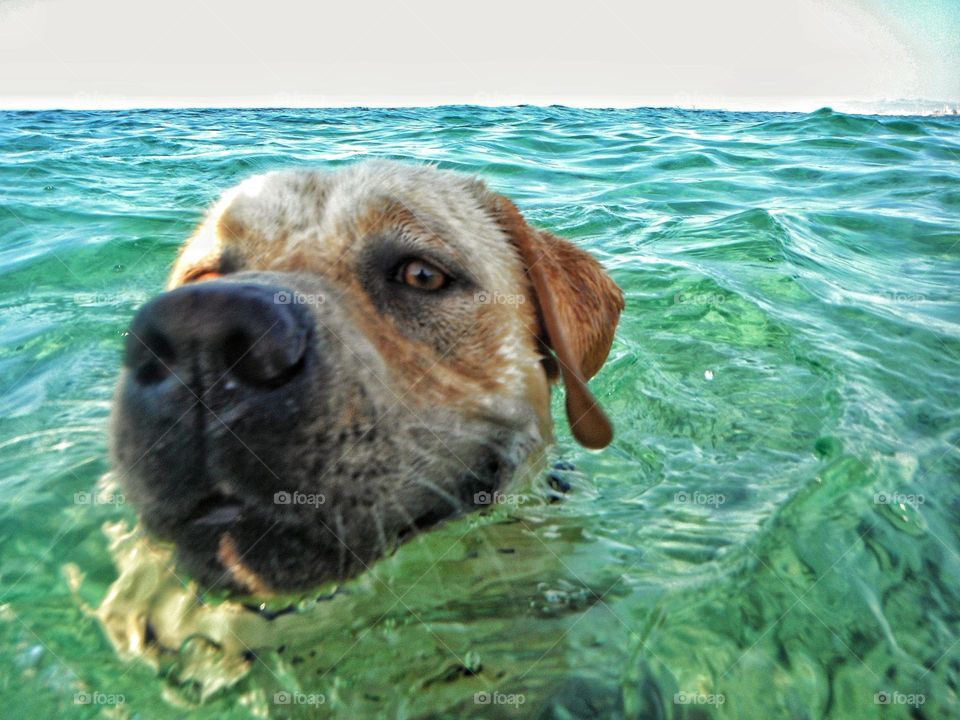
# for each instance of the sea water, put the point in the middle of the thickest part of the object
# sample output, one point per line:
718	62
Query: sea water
773	532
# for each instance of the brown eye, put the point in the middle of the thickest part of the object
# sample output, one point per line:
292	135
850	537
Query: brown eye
422	275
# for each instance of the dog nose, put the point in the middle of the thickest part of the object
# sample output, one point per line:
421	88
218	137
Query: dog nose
250	333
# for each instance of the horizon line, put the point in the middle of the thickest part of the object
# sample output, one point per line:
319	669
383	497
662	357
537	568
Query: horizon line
868	106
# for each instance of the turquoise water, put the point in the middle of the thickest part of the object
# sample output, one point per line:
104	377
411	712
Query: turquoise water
773	533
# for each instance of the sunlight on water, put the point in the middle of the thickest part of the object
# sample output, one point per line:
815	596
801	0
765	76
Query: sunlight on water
773	532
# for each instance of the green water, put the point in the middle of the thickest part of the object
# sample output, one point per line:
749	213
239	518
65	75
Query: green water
772	534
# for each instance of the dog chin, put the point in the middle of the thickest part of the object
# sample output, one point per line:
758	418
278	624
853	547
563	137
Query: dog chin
227	559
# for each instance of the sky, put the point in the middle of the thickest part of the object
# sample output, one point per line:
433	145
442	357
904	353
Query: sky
735	54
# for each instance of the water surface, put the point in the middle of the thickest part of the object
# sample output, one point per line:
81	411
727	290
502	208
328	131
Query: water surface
773	533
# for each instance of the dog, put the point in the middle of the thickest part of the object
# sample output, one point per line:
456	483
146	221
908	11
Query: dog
343	359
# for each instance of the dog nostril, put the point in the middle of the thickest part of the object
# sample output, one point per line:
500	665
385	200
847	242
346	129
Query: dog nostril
215	329
235	346
153	358
269	361
235	353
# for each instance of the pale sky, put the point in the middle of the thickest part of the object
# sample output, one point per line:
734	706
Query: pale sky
741	54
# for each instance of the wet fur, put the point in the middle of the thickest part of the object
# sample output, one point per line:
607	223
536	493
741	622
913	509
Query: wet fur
414	402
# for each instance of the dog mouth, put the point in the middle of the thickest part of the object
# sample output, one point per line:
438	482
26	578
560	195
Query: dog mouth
231	531
217	510
217	523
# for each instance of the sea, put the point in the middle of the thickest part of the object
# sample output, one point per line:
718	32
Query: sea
773	533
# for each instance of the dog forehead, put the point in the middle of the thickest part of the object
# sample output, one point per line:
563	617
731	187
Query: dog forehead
323	215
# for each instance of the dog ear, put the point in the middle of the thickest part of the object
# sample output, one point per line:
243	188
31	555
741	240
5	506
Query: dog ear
579	306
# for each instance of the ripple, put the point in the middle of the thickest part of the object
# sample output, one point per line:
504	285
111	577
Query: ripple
790	350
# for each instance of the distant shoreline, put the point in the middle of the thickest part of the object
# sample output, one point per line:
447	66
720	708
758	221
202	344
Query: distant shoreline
900	107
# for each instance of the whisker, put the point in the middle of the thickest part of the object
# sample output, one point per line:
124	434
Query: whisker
381	533
454	503
341	536
415	530
408	518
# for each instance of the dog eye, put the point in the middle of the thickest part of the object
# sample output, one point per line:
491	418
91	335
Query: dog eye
422	275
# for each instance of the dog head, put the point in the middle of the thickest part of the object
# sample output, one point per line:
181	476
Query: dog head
345	358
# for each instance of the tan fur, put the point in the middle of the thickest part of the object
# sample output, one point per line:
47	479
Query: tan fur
578	308
268	221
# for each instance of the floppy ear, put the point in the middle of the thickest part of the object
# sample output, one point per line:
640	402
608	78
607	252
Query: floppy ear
579	306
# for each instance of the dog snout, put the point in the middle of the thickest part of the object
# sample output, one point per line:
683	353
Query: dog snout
237	332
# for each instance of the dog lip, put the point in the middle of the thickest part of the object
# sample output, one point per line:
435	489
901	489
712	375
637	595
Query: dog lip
217	509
